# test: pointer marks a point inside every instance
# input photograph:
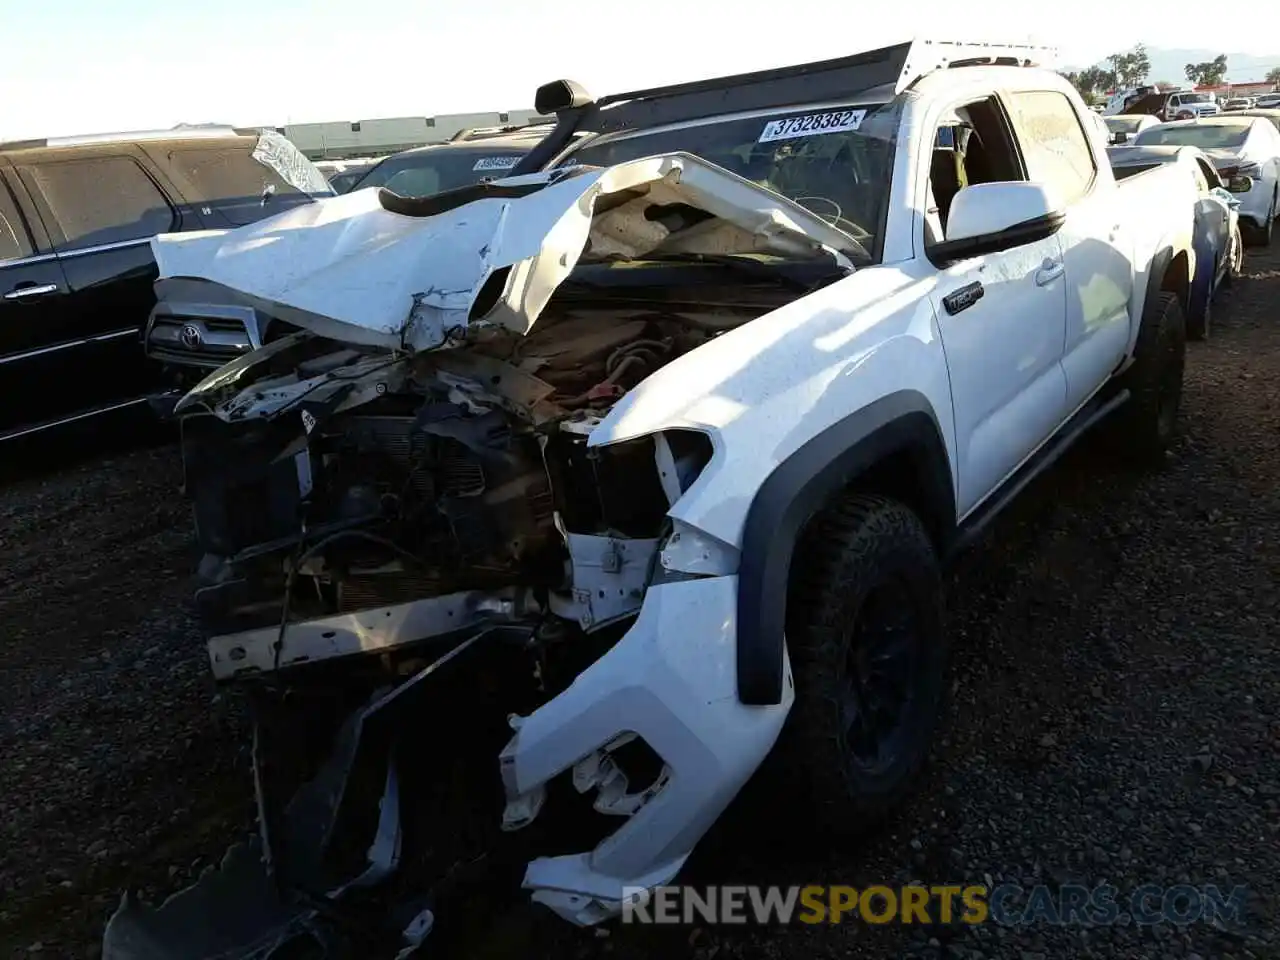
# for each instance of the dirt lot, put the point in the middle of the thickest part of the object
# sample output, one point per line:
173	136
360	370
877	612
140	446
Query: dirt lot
1116	707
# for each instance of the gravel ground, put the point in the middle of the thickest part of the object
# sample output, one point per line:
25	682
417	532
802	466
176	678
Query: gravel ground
1115	715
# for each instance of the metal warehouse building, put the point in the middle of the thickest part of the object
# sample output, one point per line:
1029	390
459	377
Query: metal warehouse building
337	140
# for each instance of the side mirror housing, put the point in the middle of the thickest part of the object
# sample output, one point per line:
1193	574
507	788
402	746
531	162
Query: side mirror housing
560	95
990	217
1240	184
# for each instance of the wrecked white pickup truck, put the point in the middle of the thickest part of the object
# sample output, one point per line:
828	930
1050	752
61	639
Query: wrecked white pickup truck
516	516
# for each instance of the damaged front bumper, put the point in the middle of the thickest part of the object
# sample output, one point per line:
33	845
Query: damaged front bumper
671	683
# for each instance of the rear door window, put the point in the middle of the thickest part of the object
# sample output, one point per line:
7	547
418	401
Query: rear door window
101	201
1054	144
14	242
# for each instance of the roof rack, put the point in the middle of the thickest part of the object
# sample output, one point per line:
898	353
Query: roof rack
180	132
874	76
927	56
895	67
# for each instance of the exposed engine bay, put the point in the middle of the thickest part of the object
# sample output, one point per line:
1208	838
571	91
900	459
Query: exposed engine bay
441	474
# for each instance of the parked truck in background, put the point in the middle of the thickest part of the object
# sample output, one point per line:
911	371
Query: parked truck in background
1164	104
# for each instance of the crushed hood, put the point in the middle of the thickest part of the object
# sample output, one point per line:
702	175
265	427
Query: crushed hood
366	268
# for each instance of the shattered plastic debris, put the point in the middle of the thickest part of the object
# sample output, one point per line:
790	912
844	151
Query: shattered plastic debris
265	900
233	911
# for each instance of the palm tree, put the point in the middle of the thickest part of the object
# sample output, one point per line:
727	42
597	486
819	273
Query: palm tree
1273	76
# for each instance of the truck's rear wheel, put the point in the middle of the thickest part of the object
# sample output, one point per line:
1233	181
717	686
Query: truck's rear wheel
1146	425
868	651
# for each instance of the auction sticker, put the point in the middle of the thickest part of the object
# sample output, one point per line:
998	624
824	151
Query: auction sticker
815	124
496	163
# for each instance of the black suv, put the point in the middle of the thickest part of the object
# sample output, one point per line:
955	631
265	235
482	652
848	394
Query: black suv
76	271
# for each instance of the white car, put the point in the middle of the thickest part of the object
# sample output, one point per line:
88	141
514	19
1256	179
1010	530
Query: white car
1216	238
659	444
1239	146
1123	127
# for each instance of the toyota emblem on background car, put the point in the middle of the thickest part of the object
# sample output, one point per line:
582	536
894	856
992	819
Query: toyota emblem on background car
190	336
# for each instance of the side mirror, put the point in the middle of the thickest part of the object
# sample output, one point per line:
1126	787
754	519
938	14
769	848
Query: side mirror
1240	184
560	95
990	217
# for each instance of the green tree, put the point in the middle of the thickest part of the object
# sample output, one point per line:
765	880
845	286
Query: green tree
1130	68
1089	82
1210	73
1096	80
1273	76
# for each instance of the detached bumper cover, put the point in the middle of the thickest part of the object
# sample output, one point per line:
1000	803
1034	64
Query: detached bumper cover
672	681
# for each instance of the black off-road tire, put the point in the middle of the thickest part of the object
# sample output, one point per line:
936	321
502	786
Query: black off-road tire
859	552
1145	426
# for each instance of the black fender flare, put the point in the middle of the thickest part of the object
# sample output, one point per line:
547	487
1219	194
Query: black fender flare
1155	278
903	421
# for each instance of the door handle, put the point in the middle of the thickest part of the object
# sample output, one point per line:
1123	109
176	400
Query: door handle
1050	271
41	290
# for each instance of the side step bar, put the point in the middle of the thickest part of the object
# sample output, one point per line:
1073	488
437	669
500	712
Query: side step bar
1085	418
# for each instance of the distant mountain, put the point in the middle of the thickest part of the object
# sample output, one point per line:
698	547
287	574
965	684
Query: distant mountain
1166	65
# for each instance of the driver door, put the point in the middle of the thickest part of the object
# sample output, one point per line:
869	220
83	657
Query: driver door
1002	316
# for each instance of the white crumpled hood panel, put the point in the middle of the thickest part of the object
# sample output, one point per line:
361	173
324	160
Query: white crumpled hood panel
348	269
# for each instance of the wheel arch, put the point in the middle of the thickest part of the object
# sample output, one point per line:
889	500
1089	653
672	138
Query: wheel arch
1171	270
893	446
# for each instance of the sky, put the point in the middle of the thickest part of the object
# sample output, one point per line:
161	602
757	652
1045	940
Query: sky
145	64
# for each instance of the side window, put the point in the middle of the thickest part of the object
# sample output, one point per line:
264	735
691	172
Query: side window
1054	144
14	242
973	145
101	201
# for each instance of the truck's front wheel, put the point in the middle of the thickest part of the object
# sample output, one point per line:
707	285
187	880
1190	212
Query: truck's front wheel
868	651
